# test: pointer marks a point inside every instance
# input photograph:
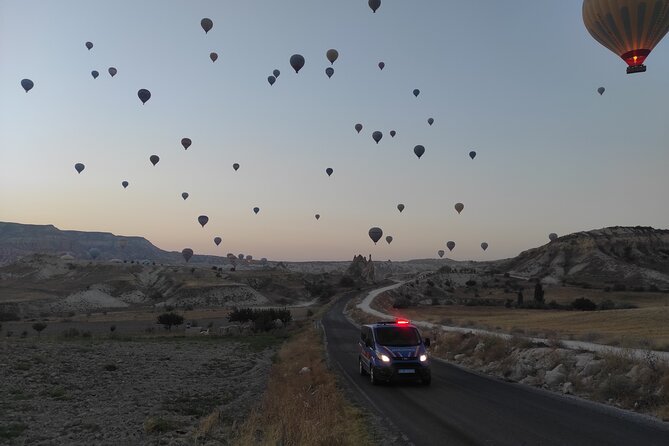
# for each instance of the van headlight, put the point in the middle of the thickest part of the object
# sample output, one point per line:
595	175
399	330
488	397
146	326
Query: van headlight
423	358
383	358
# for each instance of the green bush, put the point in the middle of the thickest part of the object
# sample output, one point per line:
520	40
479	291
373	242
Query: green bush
169	319
38	327
584	304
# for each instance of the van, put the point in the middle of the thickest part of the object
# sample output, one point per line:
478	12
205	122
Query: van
394	351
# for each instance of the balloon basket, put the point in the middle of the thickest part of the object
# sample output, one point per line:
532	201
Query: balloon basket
636	69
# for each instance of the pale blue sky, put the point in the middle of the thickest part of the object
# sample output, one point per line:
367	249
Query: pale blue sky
516	81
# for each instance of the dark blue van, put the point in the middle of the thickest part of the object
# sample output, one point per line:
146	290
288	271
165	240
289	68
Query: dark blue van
394	351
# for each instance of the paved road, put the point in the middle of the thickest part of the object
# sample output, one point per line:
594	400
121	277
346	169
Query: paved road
464	408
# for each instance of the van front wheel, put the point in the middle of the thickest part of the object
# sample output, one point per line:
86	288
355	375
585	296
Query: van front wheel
361	368
372	376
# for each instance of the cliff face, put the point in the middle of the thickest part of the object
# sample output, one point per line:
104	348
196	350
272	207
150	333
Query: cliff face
634	256
361	269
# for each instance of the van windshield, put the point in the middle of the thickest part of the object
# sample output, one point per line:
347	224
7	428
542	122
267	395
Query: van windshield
397	336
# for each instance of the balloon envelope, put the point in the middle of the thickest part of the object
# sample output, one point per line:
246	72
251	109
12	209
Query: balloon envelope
79	167
459	207
89	45
186	142
124	184
472	154
187	253
276	73
213	56
601	90
27	84
381	65
184	195
484	246
203	219
329	71
144	95
629	28
375	234
400	207
552	236
358	128
206	24
419	150
393	133
329	171
217	240
450	245
430	121
94	253
112	71
235	166
416	92
154	159
256	210
376	136
441	253
95	74
271	80
374	4
318	216
389	239
332	55
297	62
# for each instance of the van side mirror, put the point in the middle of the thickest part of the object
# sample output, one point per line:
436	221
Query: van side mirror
426	341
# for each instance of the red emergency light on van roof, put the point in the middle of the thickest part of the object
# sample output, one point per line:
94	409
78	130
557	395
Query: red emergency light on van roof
401	321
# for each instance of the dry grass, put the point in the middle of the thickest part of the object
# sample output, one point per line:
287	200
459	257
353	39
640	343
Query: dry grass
303	408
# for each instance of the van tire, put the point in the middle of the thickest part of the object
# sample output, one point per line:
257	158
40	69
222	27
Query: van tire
372	376
361	368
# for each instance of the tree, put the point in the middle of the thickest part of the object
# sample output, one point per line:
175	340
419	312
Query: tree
169	319
520	297
539	293
38	327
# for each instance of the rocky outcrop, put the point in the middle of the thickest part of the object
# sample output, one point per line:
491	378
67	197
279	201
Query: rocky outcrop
629	256
361	269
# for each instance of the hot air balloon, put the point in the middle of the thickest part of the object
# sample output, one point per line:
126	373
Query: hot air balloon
203	219
79	167
276	73
393	133
358	128
297	62
187	253
235	166
186	142
419	151
389	239
374	4
89	45
124	184
206	24
213	56
271	80
459	207
484	246
629	28
184	195
375	234
95	74
329	171
450	245
441	253
472	154
217	240
400	207
144	95
112	71
332	55
318	216
416	92
154	159
256	210
376	136
430	121
329	71
27	84
382	65
552	236
94	253
601	90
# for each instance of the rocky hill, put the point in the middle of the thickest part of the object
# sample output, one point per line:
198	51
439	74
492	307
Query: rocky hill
630	256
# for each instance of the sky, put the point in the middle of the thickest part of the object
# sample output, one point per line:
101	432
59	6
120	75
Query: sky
514	81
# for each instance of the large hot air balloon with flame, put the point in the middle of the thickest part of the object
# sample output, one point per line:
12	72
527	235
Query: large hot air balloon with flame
629	28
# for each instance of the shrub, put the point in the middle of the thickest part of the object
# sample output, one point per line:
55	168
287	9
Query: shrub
38	327
86	334
112	328
584	304
401	302
110	367
169	319
607	304
470	283
24	334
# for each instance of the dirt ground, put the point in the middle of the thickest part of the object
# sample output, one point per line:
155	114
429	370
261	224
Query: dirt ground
130	391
